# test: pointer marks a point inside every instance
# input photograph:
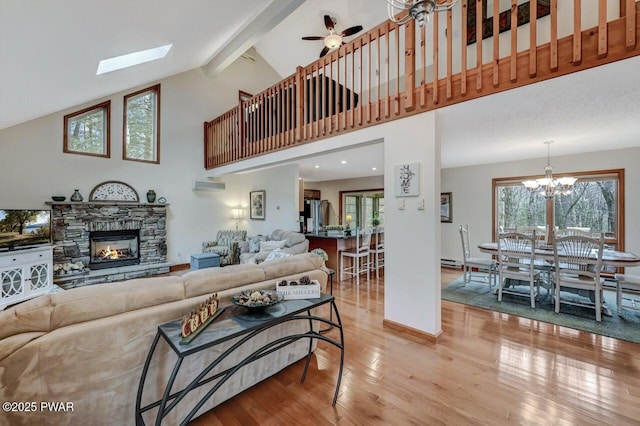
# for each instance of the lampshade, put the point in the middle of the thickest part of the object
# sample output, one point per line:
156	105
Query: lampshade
333	41
236	213
348	218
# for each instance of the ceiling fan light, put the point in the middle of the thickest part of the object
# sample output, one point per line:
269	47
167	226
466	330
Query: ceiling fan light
333	41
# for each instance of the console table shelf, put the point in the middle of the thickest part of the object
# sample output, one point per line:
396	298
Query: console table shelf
236	322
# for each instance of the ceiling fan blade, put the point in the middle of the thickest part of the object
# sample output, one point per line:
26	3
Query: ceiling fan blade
351	31
324	51
313	38
328	22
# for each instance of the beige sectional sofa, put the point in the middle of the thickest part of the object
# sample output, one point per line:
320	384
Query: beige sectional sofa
292	243
87	346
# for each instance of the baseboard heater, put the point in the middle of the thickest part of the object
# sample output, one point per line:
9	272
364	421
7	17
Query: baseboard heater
451	263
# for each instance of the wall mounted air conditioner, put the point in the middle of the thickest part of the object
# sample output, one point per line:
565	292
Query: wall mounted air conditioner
207	185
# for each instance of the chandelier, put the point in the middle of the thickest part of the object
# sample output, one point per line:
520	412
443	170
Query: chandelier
417	9
548	186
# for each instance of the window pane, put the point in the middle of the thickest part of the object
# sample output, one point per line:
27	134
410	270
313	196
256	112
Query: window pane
141	126
590	207
87	131
518	207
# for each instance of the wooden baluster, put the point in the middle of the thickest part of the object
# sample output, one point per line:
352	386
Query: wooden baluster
435	59
344	90
449	52
602	28
397	97
496	43
553	43
352	92
378	72
207	163
387	59
630	24
463	50
361	97
533	38
299	101
369	78
423	59
514	41
409	64
332	100
479	45
577	31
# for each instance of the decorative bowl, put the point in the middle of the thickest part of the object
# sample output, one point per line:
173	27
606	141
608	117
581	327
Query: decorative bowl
58	198
257	299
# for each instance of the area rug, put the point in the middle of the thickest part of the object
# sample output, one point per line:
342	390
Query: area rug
625	327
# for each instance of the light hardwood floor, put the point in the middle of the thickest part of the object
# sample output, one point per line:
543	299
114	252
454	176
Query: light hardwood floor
486	369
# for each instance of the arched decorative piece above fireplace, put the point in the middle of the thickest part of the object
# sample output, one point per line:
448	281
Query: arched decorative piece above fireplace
114	190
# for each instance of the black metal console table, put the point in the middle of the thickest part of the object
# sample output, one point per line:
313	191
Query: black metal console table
236	322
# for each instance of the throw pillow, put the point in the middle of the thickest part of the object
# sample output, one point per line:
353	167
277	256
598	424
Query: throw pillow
271	245
277	254
254	243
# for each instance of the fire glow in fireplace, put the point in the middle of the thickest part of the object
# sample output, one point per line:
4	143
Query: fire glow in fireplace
110	249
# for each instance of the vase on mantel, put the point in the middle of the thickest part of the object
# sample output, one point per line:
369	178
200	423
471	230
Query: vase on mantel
151	196
76	196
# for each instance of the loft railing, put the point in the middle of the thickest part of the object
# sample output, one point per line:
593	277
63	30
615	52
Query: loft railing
395	71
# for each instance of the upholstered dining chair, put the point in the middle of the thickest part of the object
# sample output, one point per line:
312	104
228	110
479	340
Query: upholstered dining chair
360	257
480	263
516	262
578	262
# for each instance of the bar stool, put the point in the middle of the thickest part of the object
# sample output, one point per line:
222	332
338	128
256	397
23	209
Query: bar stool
377	251
361	254
628	284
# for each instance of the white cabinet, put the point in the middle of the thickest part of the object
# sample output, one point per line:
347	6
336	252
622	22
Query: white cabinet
25	274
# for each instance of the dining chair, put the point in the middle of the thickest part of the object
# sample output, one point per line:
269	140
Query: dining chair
480	263
578	262
377	251
629	284
572	231
360	257
516	262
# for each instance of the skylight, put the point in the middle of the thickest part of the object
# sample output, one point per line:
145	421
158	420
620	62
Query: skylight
131	59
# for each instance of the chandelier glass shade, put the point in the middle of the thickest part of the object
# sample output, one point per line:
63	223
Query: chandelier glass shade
420	10
548	186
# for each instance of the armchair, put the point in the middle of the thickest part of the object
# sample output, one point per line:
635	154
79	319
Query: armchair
226	245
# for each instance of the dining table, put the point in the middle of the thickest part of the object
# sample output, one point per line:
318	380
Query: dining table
545	251
610	258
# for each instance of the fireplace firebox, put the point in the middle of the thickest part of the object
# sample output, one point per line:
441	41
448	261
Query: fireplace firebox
110	249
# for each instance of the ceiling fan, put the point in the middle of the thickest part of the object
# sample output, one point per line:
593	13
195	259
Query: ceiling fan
333	40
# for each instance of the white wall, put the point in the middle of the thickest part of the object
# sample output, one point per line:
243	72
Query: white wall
471	188
33	166
330	191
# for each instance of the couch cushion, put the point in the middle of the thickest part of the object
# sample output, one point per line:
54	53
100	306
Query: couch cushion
103	300
291	265
277	254
212	280
291	238
271	245
254	242
31	316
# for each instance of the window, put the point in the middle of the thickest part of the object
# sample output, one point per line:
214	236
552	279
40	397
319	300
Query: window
595	205
141	128
364	209
87	132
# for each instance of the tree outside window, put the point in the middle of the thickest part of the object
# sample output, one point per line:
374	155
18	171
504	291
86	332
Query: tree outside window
141	133
87	132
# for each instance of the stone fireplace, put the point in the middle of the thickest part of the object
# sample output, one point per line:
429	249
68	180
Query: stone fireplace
108	241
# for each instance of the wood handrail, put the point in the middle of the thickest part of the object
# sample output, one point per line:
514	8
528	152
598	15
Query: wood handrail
367	82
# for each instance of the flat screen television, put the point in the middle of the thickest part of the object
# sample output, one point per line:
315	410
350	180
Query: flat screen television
21	229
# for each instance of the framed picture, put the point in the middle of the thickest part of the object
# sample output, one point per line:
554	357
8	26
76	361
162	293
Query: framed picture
407	177
446	211
256	205
504	19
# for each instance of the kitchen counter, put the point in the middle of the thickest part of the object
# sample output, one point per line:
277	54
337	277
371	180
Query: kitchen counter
333	246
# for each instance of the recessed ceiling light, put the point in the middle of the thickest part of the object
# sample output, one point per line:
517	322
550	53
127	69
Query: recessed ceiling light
316	166
131	59
344	162
374	168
